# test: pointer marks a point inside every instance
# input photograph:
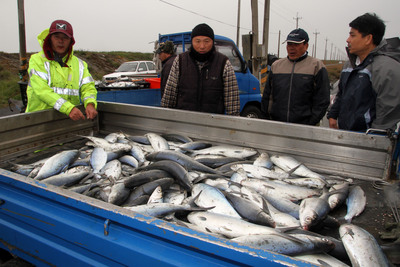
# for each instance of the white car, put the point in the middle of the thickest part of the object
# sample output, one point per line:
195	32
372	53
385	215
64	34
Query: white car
131	69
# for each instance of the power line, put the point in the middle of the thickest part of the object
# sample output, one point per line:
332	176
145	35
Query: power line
198	14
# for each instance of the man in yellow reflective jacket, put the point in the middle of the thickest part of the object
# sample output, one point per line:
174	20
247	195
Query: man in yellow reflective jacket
57	78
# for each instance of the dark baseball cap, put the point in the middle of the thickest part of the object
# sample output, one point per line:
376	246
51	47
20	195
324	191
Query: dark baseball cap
166	47
297	36
63	27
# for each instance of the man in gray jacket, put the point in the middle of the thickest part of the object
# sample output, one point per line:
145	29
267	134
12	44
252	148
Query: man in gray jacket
297	89
369	86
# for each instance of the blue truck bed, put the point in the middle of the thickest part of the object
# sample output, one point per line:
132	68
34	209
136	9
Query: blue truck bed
48	225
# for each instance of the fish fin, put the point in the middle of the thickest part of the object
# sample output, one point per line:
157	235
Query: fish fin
291	238
294	169
324	263
286	229
265	205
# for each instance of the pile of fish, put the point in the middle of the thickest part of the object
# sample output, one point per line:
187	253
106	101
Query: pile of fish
272	202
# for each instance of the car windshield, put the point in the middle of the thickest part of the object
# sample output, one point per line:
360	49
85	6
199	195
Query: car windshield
127	67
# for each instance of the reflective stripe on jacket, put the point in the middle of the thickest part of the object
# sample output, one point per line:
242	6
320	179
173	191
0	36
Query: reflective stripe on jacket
61	88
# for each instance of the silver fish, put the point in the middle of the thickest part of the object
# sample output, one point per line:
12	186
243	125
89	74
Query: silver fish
175	169
137	152
280	218
112	170
113	137
356	202
313	210
220	183
340	197
250	210
321	259
306	181
263	160
280	189
260	172
175	196
98	159
283	245
101	142
148	188
177	137
143	177
208	197
161	209
193	146
227	151
290	164
130	160
237	177
66	179
118	194
57	163
157	142
184	160
361	246
284	205
231	227
156	196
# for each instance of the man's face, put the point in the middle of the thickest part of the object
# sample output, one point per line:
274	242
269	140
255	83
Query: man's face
357	43
60	43
296	50
202	44
163	56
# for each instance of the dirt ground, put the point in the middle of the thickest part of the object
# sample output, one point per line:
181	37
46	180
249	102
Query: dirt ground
14	108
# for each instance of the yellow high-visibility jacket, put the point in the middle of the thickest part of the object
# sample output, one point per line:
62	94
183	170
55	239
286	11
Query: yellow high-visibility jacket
61	88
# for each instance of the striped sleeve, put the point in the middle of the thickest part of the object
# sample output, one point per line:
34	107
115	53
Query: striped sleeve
231	91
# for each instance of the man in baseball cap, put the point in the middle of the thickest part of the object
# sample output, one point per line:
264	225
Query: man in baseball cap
297	88
59	41
166	53
58	79
297	36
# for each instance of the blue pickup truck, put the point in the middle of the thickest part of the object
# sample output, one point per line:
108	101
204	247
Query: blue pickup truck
249	86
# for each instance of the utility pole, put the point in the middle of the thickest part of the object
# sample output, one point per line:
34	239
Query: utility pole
266	31
326	44
254	20
22	53
315	46
297	20
331	51
279	42
238	25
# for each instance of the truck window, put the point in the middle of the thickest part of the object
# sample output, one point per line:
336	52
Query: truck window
150	65
142	67
230	51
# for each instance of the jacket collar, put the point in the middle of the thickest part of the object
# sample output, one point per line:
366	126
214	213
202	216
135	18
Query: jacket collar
300	58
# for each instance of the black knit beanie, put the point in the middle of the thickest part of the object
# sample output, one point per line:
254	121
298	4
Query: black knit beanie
203	30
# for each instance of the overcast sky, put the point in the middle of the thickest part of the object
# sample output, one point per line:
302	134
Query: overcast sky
133	25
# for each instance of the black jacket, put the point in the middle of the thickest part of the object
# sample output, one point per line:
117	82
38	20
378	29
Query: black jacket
166	68
201	90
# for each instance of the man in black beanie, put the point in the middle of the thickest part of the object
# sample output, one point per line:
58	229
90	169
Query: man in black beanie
202	79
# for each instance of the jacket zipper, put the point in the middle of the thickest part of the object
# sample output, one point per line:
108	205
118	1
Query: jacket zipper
290	91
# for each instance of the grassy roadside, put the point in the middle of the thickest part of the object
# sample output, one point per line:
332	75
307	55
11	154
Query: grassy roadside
100	63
